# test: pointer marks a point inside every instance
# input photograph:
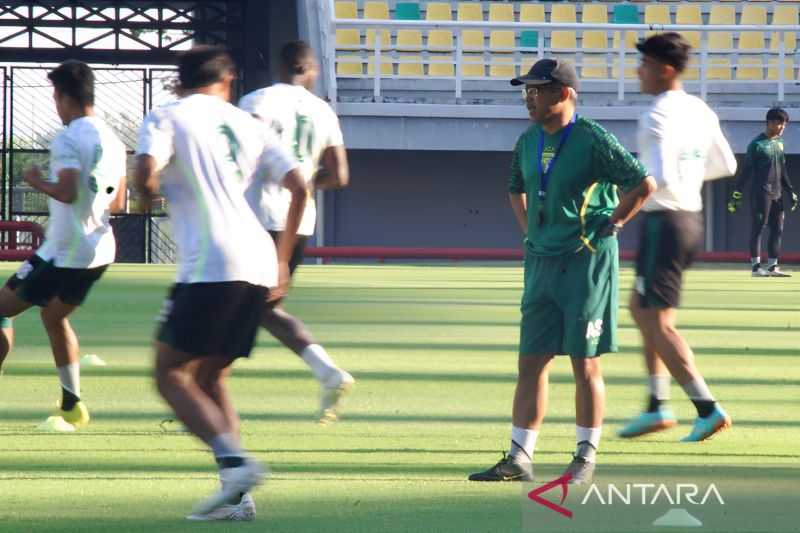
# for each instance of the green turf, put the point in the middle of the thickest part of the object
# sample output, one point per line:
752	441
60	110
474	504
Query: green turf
433	350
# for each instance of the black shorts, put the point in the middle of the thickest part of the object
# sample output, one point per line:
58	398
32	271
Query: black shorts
669	243
38	281
297	253
219	319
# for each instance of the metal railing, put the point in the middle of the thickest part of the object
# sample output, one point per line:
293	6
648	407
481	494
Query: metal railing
622	56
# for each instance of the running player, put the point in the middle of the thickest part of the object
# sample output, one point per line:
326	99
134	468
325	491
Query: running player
86	184
681	142
203	153
309	130
765	163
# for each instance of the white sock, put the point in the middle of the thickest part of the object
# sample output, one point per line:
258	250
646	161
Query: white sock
523	441
70	376
773	261
698	390
659	387
590	435
755	260
322	366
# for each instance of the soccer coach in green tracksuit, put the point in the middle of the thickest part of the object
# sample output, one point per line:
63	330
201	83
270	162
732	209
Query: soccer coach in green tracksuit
565	176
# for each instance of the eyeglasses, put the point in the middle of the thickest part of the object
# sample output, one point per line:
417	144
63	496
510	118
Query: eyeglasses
536	89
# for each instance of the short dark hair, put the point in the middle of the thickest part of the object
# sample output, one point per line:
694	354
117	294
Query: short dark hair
777	114
293	54
75	79
203	65
669	48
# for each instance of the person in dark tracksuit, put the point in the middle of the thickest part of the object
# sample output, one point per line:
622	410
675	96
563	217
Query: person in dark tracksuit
765	163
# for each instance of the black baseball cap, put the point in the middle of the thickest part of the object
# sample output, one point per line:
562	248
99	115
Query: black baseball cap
547	71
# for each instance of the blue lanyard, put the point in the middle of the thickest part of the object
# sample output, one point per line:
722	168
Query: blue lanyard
544	173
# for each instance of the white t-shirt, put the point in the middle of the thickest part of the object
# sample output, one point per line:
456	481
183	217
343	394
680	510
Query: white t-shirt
210	152
79	234
681	145
306	125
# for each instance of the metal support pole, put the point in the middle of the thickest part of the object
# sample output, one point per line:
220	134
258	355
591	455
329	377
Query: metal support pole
376	71
459	63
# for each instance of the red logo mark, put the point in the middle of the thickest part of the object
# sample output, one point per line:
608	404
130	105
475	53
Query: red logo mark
562	482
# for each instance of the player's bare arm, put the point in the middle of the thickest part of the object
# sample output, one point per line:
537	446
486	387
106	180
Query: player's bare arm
519	204
64	190
334	173
118	203
294	182
631	202
146	180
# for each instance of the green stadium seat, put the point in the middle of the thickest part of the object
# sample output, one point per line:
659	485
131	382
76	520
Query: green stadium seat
407	11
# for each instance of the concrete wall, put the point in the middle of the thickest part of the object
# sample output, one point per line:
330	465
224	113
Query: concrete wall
448	198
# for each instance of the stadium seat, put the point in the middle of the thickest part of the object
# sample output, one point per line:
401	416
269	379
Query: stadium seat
561	39
407	11
386	65
472	40
377	11
441	66
409	40
594	13
785	15
625	14
410	66
750	66
501	67
349	65
657	14
438	11
348	39
690	14
719	68
345	10
594	65
473	67
530	13
502	41
501	12
755	15
440	40
789	69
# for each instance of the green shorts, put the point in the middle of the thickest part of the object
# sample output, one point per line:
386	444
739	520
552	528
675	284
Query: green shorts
569	304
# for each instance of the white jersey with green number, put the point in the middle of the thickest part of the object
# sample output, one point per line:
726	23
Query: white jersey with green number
209	153
306	125
79	234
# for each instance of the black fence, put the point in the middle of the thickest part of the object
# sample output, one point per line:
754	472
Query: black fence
29	122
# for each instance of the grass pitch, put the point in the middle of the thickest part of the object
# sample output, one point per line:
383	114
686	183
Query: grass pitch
434	353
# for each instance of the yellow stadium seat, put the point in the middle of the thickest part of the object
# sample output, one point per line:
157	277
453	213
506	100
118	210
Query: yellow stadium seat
501	67
594	65
788	69
563	13
386	65
531	12
345	10
594	13
376	10
563	39
756	15
441	66
440	40
438	11
751	40
502	40
784	15
657	14
348	65
749	68
722	14
501	12
409	40
348	39
473	40
410	66
473	67
470	11
690	14
719	68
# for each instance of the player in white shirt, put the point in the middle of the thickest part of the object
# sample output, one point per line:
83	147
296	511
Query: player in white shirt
86	183
202	153
682	145
309	130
